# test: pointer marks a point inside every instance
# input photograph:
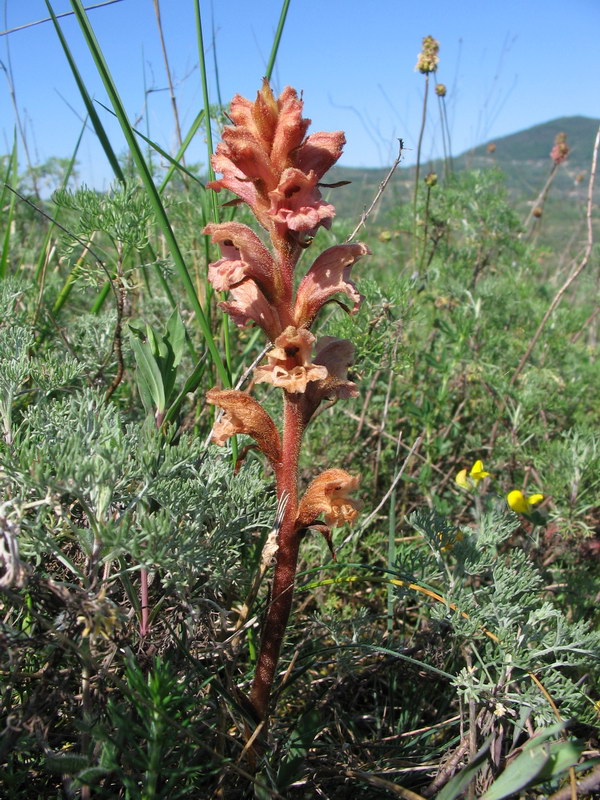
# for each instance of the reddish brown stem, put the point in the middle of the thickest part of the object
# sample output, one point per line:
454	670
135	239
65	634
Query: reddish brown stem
144	601
287	559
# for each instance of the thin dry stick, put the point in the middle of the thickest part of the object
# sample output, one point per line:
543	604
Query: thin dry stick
381	783
585	325
539	200
587	784
574	274
561	292
419	145
58	16
385	498
382	186
169	78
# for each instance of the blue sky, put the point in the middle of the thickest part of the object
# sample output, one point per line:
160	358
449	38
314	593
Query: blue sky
507	65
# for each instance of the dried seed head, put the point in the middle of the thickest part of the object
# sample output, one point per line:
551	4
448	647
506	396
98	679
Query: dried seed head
428	58
560	151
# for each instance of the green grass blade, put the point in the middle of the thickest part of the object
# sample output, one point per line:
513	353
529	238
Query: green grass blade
207	125
184	146
69	171
152	191
277	40
11	178
211	175
93	114
175	163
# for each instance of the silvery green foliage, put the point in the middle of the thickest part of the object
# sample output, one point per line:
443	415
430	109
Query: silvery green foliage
570	464
14	357
503	593
82	476
122	214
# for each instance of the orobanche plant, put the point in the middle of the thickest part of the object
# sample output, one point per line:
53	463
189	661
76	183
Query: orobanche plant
267	160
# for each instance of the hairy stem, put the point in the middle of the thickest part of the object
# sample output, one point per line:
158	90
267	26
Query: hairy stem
287	559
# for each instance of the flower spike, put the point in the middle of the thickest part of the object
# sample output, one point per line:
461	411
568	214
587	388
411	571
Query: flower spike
266	161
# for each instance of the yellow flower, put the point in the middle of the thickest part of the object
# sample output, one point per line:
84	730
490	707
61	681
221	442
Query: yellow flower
477	473
447	543
99	616
522	504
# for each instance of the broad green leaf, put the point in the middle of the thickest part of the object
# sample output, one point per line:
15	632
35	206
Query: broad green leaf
176	336
520	773
300	740
150	372
545	734
563	756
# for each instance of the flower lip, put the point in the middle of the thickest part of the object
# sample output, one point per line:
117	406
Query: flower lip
289	364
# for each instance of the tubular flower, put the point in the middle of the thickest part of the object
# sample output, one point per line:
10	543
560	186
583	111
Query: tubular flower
266	161
250	304
327	496
289	362
337	355
243	255
522	504
329	275
470	480
243	414
297	205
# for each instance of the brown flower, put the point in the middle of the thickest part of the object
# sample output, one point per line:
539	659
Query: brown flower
243	414
560	151
243	255
297	205
329	275
265	159
327	496
250	304
337	355
289	364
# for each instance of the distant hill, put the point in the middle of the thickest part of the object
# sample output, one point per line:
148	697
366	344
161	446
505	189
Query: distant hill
524	158
534	144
